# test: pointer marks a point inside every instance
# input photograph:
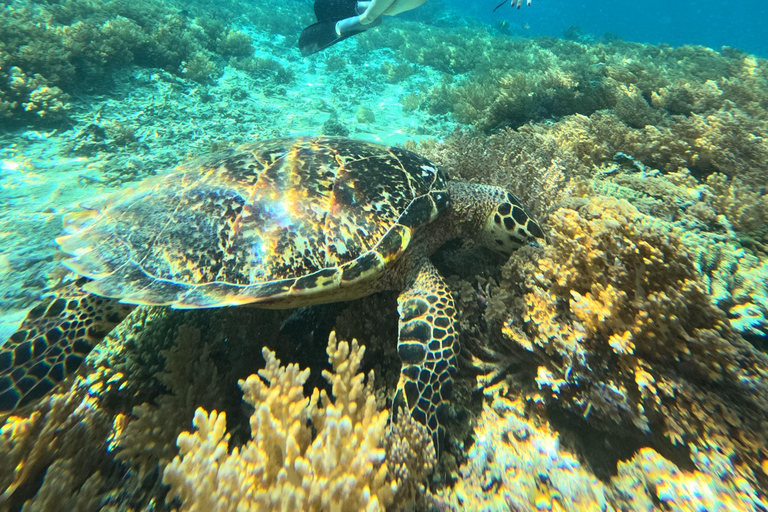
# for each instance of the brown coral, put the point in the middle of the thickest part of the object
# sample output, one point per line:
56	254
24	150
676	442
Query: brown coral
728	141
411	458
25	96
618	311
50	442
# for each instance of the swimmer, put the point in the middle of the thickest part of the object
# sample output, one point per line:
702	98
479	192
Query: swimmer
340	19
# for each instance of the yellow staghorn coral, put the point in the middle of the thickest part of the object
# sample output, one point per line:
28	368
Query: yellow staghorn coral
618	313
284	466
59	454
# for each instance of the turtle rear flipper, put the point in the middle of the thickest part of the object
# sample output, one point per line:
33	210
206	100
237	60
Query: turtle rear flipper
52	341
428	346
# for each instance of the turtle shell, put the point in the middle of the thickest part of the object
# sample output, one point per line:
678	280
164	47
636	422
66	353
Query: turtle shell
277	221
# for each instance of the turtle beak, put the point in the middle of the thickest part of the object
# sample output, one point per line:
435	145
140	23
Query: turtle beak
539	243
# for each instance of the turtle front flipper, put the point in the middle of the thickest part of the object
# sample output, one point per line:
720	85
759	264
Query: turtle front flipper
428	346
52	341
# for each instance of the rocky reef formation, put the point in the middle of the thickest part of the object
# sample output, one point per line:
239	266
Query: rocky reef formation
621	367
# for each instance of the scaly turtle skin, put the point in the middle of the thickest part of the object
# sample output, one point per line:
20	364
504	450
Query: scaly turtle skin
277	224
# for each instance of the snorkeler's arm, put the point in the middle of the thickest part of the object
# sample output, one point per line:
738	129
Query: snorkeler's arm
388	7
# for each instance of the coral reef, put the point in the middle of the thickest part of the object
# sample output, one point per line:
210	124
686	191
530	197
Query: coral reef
50	441
101	440
619	312
54	455
397	72
630	321
693	107
676	489
519	463
22	96
284	466
235	43
263	67
146	437
515	464
75	46
621	367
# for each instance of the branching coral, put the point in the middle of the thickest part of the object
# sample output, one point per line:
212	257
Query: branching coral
512	82
284	466
59	454
50	442
235	43
72	46
627	334
22	96
411	458
727	141
632	317
743	206
535	162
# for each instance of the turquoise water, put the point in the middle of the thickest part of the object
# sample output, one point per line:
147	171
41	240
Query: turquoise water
572	194
714	24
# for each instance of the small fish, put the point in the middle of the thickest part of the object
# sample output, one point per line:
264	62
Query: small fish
513	3
525	26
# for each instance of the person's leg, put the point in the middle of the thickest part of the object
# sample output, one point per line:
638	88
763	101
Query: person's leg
353	25
336	21
362	6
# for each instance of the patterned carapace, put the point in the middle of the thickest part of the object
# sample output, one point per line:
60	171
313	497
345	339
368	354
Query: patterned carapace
279	223
246	223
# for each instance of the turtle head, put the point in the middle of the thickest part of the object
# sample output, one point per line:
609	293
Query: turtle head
491	216
509	225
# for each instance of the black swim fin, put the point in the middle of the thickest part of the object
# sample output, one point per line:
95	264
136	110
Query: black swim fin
320	36
327	10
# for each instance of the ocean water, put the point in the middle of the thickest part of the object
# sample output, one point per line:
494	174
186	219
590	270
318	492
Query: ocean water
462	260
713	24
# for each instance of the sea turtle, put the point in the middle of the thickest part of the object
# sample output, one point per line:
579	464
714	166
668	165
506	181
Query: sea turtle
276	224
